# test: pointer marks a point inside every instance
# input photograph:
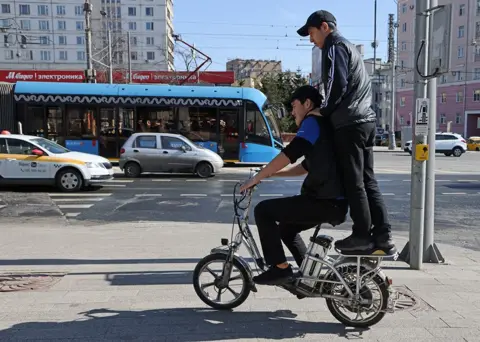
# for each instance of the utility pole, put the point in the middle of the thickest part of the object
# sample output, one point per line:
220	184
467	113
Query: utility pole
413	251
374	44
431	253
391	60
110	66
90	73
129	51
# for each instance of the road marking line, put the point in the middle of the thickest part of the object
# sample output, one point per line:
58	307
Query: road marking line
409	194
293	180
406	180
75	206
72	214
148	195
271	195
442	180
467	180
384	180
161	180
454	193
113	185
120	181
196	180
229	195
388	194
80	195
193	195
77	199
267	180
229	180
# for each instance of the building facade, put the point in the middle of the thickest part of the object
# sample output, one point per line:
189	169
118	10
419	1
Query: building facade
458	92
50	35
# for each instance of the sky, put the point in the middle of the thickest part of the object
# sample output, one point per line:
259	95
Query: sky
266	29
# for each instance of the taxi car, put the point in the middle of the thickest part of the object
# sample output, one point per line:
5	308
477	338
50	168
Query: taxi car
26	159
473	144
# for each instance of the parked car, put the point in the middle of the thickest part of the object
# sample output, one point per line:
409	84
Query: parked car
28	159
473	144
446	143
166	152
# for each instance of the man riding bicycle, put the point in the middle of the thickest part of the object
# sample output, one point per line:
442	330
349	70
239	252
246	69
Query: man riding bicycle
322	194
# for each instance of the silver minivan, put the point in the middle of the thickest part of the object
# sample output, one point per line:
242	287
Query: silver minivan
166	152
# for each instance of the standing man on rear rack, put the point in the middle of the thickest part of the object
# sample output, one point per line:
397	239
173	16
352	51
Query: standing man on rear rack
322	195
348	100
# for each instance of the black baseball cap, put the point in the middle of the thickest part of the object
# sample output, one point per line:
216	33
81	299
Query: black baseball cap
315	20
305	92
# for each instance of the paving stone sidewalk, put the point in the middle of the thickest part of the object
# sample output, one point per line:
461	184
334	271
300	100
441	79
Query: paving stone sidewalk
133	283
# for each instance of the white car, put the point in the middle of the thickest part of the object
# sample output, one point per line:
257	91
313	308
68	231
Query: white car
446	143
26	159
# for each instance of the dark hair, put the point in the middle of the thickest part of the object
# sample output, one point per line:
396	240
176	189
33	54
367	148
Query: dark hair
307	92
332	26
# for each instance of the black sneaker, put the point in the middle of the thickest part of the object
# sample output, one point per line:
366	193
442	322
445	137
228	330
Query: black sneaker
274	276
354	243
384	242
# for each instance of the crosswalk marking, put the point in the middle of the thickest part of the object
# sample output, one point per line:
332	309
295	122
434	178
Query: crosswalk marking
161	180
193	195
84	199
75	206
72	214
79	194
148	195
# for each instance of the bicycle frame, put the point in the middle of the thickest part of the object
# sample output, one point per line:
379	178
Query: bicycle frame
245	236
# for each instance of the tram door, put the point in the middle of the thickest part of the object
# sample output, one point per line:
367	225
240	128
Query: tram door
229	128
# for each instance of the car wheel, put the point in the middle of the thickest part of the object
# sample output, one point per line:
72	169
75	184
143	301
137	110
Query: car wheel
69	180
204	170
457	151
132	170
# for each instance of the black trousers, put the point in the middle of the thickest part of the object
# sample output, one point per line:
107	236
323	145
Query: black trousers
354	147
294	215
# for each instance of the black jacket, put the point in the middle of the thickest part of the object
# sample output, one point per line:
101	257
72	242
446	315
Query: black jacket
348	90
323	180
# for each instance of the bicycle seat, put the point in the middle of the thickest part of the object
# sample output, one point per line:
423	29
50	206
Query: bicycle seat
333	222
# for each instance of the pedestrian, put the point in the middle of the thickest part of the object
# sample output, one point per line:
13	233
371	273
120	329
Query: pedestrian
347	103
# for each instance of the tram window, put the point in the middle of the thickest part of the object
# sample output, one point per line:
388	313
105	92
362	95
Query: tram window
155	120
81	122
198	123
256	129
54	122
34	121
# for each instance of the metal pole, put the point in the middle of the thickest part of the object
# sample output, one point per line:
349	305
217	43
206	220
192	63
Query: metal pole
129	58
89	73
413	251
391	59
374	36
430	251
110	66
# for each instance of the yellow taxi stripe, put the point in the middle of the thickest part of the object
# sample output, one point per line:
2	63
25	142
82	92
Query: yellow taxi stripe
44	159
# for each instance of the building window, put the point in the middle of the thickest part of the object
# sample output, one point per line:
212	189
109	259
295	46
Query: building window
443	99
80	55
80	40
5	8
476	74
459	96
149	11
443	79
404	46
402	83
79	25
460	52
149	26
78	10
458	118
458	75
443	119
404	27
461	31
62	40
133	41
404	8
402	120
45	55
44	40
402	102
132	26
134	56
132	11
61	10
63	56
461	10
150	55
24	9
9	54
25	25
150	41
43	25
42	10
476	95
62	25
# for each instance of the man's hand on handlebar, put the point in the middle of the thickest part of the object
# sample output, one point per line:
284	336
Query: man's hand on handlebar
249	184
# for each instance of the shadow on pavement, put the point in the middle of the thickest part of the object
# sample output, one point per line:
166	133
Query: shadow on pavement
186	324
